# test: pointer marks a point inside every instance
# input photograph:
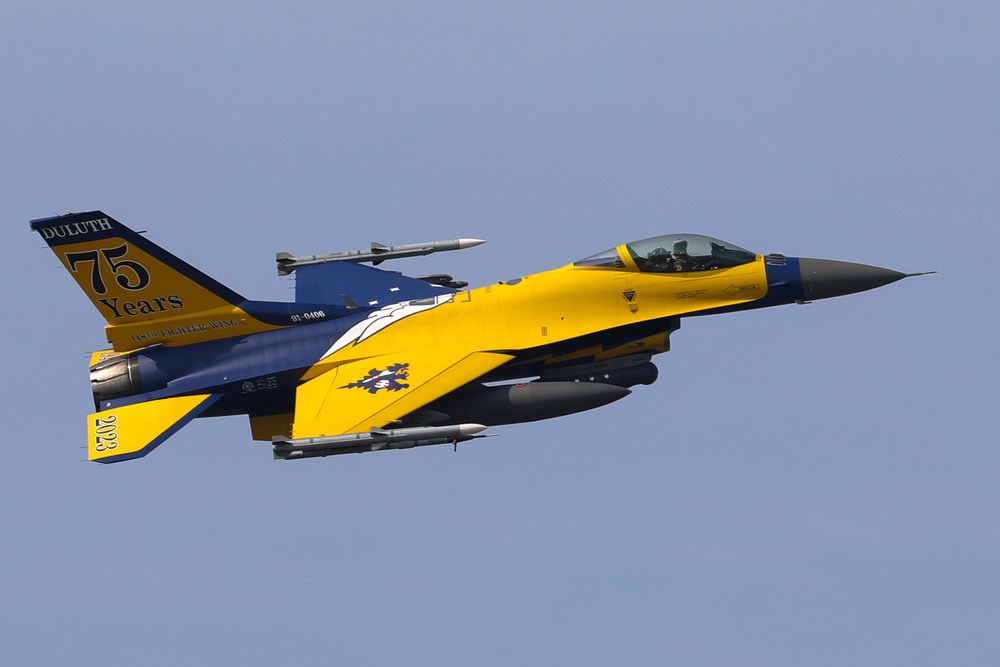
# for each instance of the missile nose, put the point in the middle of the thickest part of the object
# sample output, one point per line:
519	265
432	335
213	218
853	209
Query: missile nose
825	278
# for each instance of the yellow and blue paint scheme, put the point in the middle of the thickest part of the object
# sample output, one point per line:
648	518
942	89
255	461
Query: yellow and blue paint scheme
362	348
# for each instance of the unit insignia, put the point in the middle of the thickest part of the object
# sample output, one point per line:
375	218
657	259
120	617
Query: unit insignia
391	379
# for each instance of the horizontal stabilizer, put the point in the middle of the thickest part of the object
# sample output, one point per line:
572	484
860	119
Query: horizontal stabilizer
132	431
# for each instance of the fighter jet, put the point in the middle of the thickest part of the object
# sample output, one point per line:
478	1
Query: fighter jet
367	359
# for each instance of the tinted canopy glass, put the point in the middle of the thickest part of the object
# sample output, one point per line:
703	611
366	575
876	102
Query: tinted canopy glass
673	254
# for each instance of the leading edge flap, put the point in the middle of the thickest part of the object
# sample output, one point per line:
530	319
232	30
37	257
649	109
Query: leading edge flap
132	431
377	391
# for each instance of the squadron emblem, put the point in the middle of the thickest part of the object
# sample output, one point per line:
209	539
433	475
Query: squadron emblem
391	379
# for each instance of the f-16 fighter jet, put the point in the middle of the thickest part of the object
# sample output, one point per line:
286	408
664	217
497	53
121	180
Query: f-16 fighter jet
366	359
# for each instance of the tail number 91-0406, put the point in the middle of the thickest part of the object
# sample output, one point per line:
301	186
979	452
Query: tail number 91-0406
105	433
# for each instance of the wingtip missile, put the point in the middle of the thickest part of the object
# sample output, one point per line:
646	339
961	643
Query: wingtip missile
376	254
374	440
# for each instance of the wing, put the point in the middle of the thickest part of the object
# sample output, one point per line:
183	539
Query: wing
376	391
359	286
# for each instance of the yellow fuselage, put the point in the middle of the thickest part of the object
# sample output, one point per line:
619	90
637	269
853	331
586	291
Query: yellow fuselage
559	306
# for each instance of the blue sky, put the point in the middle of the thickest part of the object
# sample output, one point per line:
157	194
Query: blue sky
803	485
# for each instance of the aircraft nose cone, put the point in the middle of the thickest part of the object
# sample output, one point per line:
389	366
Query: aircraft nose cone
825	278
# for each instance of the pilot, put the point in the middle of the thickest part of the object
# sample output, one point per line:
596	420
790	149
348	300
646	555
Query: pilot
680	258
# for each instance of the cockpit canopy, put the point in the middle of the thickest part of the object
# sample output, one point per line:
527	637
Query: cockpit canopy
675	253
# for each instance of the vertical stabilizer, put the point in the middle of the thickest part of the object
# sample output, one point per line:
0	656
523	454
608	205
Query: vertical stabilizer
146	295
